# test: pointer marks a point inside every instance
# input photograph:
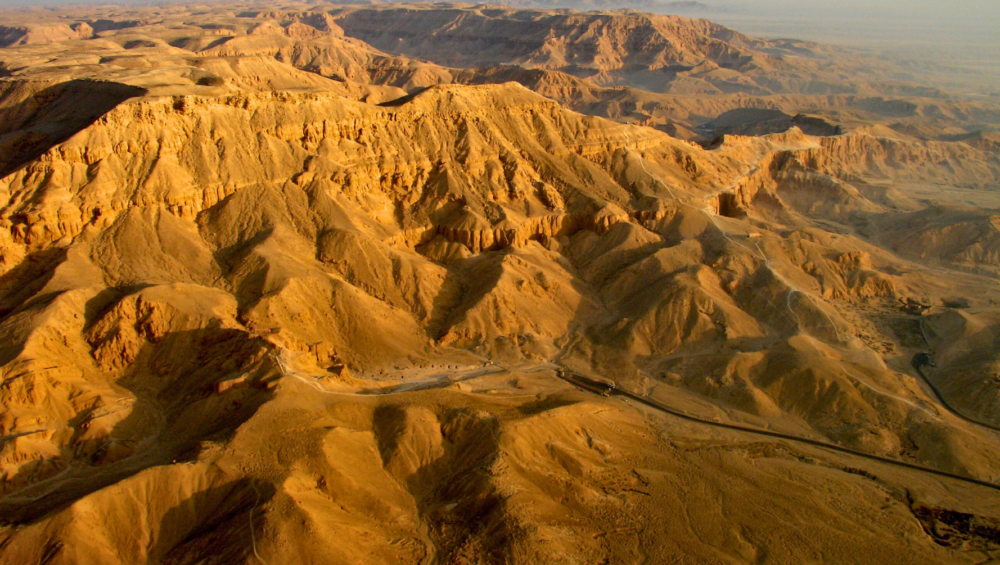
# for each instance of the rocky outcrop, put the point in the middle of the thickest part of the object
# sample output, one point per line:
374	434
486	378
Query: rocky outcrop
864	155
169	152
262	293
35	34
600	42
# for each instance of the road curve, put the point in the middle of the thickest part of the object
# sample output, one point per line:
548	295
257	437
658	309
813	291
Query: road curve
603	389
921	360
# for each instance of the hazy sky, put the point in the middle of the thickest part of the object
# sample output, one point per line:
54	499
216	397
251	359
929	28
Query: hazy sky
959	20
887	7
975	12
947	30
964	33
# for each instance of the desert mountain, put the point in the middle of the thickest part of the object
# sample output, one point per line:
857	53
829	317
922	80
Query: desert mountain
661	53
339	284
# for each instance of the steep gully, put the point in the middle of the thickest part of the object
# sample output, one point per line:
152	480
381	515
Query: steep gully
442	380
919	361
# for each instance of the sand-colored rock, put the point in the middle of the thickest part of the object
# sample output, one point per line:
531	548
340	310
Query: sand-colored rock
269	293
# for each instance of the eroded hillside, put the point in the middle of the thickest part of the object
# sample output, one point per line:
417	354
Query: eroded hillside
269	293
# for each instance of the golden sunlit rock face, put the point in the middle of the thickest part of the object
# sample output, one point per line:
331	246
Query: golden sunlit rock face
469	284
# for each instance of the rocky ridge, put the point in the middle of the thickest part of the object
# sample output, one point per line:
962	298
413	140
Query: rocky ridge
287	275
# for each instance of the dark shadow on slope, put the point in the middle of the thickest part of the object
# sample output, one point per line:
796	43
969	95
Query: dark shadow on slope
545	404
250	287
457	497
34	125
763	121
173	380
389	422
403	99
476	277
96	307
30	276
213	526
218	525
100	25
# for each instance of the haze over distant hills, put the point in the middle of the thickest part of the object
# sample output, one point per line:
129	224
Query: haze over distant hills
958	36
958	39
413	283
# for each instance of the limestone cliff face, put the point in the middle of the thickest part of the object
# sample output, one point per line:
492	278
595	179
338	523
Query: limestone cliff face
654	52
598	41
271	283
957	236
325	51
864	154
402	164
817	175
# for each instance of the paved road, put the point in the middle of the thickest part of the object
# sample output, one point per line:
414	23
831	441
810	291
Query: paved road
604	389
921	360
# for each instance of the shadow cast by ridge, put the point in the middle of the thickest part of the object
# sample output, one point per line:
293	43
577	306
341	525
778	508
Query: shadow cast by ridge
44	119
